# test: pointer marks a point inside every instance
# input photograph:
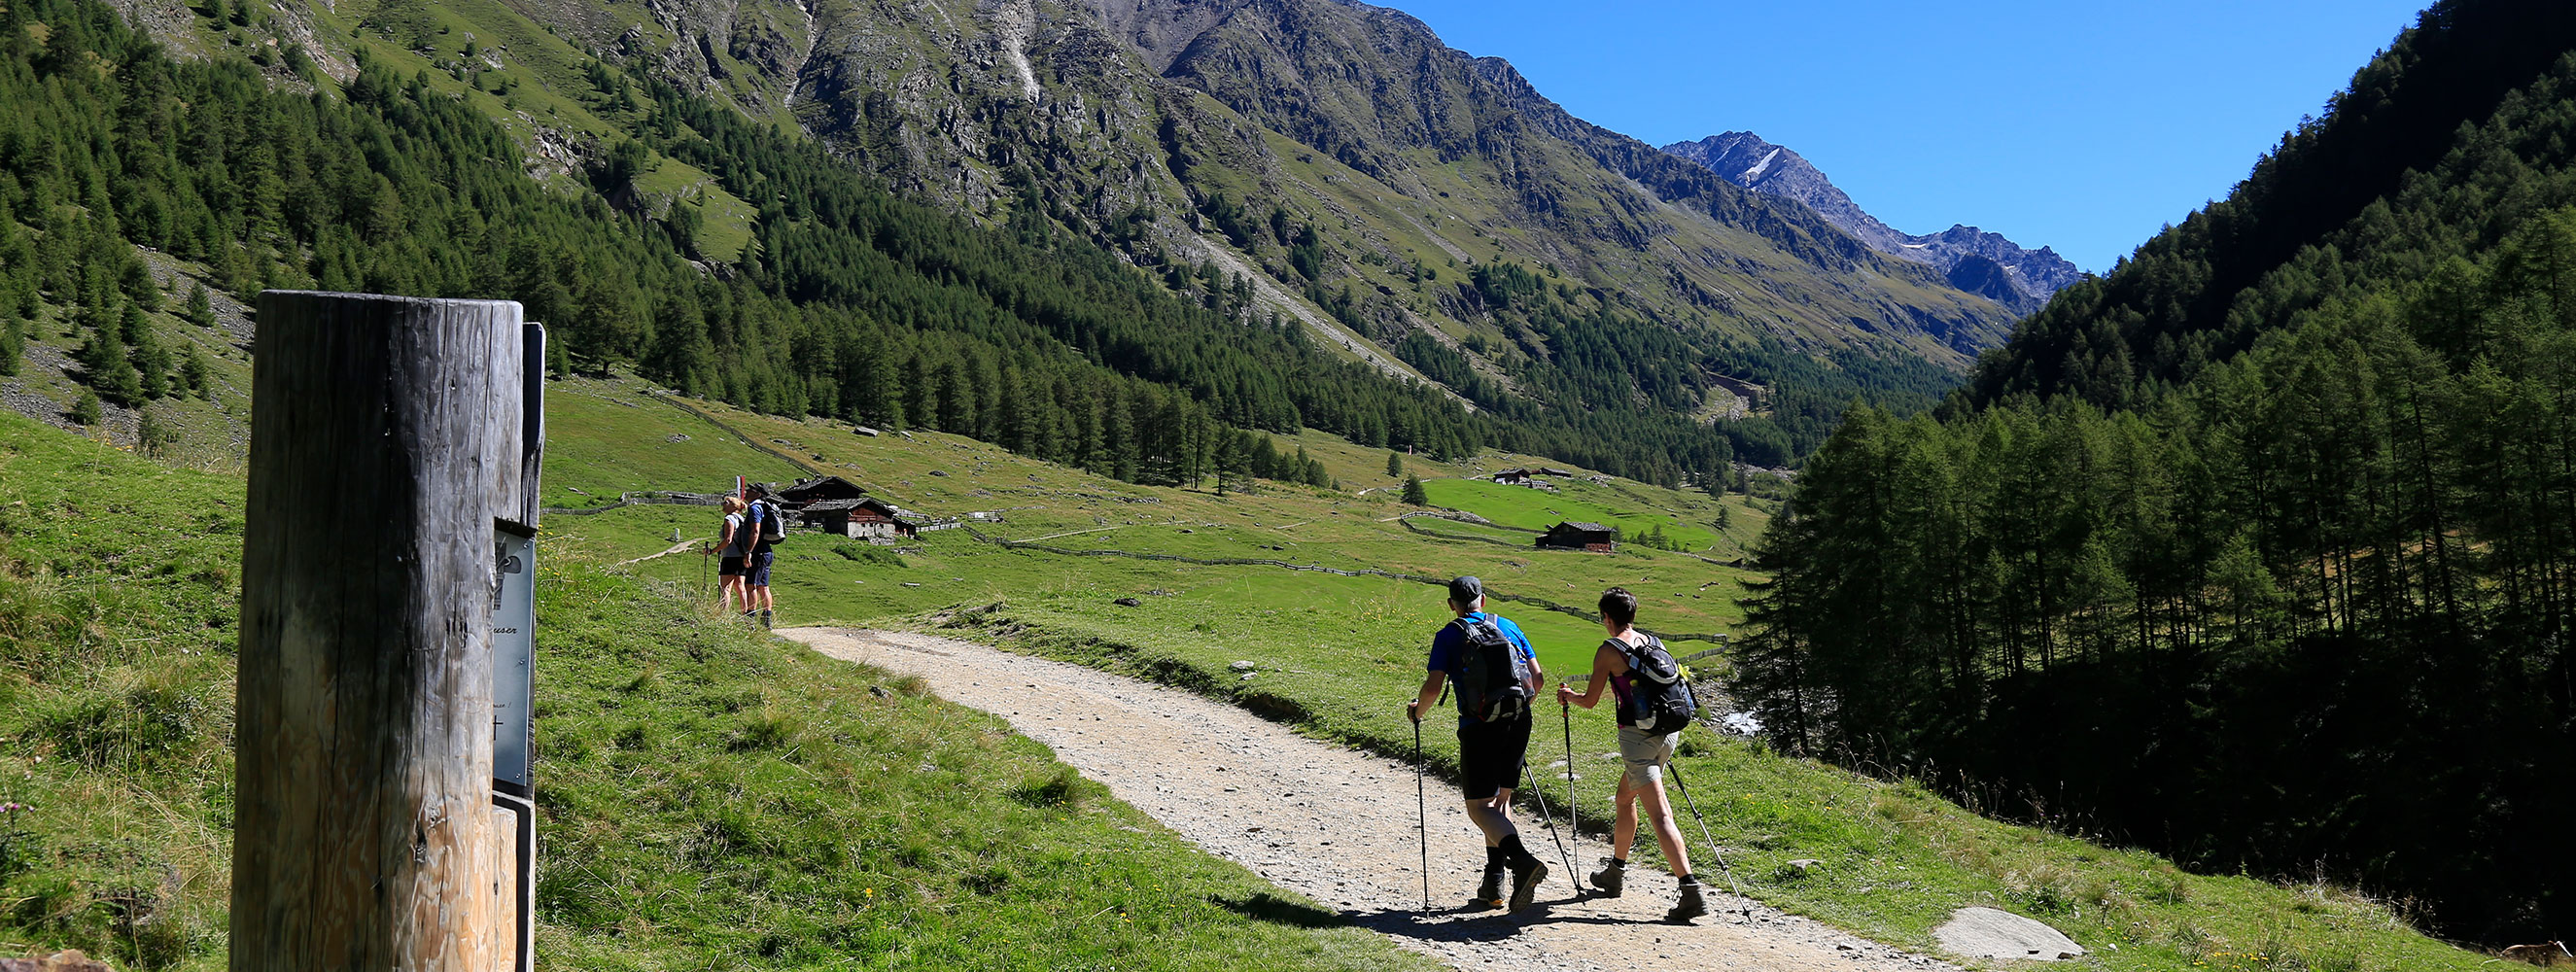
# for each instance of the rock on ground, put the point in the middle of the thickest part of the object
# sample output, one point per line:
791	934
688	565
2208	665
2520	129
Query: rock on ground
1989	933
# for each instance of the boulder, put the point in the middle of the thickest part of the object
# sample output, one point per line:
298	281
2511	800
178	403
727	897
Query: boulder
1997	934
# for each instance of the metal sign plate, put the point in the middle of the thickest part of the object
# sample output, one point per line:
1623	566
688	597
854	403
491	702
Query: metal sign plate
514	625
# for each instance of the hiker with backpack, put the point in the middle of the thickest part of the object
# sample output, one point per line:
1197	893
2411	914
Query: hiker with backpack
766	523
1487	659
733	550
1654	704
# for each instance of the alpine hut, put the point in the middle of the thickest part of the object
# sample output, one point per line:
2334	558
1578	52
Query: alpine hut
1580	536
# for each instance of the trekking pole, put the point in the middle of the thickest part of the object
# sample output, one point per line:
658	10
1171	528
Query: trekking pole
1421	816
1550	819
1713	851
1573	807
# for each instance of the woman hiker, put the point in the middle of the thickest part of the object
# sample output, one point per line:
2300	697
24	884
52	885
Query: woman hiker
732	547
1643	753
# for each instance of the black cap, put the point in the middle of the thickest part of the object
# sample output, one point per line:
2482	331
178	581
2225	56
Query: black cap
1466	590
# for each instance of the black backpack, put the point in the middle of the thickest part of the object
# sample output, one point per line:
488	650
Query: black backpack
773	522
1493	679
1662	701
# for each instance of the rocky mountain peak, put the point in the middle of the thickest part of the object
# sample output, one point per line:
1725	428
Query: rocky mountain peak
1961	253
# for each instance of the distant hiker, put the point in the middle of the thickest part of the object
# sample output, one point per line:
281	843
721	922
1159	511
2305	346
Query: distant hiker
1620	663
766	526
1496	675
733	551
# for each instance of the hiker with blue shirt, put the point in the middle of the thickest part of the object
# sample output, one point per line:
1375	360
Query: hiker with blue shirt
761	523
1490	664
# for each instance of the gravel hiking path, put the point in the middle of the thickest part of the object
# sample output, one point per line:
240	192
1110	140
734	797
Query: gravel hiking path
1337	826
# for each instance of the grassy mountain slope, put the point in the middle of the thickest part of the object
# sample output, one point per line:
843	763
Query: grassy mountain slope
710	797
1331	648
699	785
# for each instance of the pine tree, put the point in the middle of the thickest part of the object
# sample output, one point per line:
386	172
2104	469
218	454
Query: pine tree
151	435
200	309
194	374
13	342
1414	494
150	358
88	410
1394	464
107	367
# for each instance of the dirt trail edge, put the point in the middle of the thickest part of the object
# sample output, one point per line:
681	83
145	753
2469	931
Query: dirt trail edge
1337	825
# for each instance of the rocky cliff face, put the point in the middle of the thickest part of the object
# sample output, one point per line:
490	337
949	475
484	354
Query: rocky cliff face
1960	252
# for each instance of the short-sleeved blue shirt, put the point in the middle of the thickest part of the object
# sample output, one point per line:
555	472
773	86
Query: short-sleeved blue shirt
1448	648
751	526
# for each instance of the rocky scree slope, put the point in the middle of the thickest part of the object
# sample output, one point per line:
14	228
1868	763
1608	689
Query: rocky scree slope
1982	263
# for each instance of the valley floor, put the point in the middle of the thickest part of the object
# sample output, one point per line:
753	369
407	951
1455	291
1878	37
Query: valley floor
1328	822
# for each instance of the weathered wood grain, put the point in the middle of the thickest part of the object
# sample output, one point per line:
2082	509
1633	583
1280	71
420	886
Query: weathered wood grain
388	438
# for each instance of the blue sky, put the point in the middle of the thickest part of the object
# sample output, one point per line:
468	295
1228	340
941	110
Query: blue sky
2083	126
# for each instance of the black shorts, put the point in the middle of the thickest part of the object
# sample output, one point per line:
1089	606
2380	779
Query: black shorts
729	567
759	571
1489	755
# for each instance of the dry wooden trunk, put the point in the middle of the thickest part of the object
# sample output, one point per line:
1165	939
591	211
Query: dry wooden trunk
385	441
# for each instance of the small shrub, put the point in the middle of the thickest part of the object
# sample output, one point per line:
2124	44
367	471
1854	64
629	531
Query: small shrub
1065	789
148	725
768	730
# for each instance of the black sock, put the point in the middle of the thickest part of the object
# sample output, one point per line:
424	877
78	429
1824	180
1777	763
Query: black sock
1493	858
1688	879
1518	857
1619	862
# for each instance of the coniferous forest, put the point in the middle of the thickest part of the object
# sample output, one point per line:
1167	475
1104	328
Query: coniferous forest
2262	549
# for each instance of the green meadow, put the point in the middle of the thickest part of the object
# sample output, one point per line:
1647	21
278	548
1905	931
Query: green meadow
711	798
1337	656
715	798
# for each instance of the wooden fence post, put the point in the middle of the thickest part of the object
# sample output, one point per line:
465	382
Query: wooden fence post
386	441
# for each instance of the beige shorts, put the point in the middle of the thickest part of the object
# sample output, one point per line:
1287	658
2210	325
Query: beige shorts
1644	754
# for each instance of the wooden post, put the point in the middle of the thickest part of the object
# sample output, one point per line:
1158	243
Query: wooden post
386	441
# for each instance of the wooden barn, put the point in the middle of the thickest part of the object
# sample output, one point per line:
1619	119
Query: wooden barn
1529	478
1580	536
859	519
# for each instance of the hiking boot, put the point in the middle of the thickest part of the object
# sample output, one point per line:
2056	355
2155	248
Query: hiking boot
1489	894
1612	877
764	618
1686	904
1525	881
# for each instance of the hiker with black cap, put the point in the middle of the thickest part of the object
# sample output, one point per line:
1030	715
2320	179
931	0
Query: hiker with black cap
1634	666
1487	659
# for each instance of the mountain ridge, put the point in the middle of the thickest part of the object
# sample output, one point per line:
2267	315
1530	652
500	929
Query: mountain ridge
1095	104
2034	275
